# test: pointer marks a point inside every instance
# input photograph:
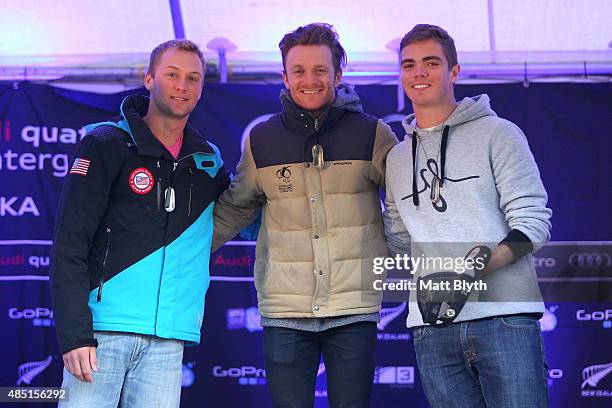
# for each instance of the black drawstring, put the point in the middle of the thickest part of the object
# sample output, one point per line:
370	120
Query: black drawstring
415	192
443	152
443	143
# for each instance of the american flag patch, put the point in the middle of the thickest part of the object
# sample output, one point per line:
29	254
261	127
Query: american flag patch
80	166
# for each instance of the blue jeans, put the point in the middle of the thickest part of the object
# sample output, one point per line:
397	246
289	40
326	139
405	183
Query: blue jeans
134	370
292	361
496	362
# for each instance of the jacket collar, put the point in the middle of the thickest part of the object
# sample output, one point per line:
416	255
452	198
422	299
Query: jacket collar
301	121
133	109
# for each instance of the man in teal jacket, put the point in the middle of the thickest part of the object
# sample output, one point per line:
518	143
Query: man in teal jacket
132	242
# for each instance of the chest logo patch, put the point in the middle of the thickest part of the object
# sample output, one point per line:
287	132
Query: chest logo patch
284	174
141	180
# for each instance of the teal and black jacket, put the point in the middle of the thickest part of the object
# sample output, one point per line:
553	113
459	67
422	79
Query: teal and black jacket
133	233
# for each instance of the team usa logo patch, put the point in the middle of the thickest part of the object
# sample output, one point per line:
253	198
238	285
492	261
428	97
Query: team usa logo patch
141	180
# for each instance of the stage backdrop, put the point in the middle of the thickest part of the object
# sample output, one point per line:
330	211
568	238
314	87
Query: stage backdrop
569	130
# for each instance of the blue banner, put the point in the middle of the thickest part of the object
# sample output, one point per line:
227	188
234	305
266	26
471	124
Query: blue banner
568	128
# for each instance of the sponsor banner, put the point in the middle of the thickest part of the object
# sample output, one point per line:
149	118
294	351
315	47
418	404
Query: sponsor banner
597	381
234	259
595	315
19	259
392	375
392	324
38	316
247	319
40	127
243	375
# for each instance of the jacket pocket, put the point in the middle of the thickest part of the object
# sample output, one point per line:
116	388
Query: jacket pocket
106	251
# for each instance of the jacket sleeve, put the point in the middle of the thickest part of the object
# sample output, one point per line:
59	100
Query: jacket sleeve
398	238
241	203
222	177
82	206
523	198
385	140
222	181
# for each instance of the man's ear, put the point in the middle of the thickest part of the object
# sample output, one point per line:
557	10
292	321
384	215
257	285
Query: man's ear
338	77
148	81
455	73
285	79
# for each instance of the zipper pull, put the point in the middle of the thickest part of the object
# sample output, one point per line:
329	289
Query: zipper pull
316	123
99	297
101	283
175	164
190	187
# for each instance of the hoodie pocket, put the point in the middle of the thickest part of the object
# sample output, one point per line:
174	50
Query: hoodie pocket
104	260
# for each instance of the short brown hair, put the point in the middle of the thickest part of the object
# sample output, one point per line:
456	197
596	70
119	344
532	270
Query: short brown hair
424	32
315	34
184	45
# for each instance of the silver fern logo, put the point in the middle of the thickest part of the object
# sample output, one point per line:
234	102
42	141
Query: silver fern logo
28	371
594	374
387	315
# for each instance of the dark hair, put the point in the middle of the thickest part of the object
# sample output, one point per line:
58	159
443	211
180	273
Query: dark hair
315	34
424	32
184	45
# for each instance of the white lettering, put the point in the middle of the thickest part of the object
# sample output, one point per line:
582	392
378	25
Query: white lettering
12	161
596	315
35	313
555	373
68	136
27	206
544	262
38	261
31	134
27	161
244	371
45	135
36	134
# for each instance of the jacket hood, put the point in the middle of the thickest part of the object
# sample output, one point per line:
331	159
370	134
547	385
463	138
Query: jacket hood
346	99
469	109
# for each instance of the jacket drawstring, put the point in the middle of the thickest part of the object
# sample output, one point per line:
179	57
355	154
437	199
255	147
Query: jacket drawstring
443	152
443	143
415	191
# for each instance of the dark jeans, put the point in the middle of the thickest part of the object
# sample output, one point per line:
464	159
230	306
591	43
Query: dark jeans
497	363
292	361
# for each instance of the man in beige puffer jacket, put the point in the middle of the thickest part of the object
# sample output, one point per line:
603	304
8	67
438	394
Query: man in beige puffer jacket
314	171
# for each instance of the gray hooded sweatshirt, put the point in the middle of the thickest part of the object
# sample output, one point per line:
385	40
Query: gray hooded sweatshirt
491	187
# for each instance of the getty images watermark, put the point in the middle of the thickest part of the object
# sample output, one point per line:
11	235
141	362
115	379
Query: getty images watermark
427	265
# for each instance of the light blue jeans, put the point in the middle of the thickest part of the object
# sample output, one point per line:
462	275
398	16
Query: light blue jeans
497	363
134	370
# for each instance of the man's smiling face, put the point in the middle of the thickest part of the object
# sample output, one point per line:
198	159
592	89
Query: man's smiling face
426	77
176	84
309	75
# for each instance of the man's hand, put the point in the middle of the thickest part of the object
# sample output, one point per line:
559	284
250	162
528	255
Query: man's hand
80	362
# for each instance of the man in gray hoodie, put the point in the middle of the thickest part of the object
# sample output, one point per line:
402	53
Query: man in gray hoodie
465	178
